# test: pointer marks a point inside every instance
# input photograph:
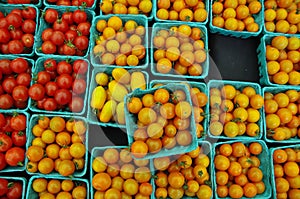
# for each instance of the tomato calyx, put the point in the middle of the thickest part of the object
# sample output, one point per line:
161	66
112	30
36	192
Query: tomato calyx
10	185
15	114
20	164
70	44
83	5
11	28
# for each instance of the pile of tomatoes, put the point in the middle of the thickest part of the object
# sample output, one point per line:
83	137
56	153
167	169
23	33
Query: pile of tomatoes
282	16
58	145
163	120
117	175
199	100
67	33
235	112
282	114
12	140
17	30
238	170
84	3
186	175
59	188
119	43
283	57
285	166
107	99
15	77
181	10
179	50
60	85
236	15
11	189
126	7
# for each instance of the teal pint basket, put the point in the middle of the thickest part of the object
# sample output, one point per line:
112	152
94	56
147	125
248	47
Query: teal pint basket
206	148
149	17
258	18
91	116
201	86
93	7
31	194
17	179
166	26
273	184
238	85
262	61
39	66
11	169
275	90
140	20
98	151
43	25
31	65
34	120
131	122
265	167
155	9
6	9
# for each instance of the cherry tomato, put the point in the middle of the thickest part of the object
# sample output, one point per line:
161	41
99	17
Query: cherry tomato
64	67
3	186
51	88
7	127
2	121
50	65
36	92
58	38
79	16
15	191
18	122
51	15
6	101
5	142
15	47
76	104
84	28
5	67
43	77
69	49
40	103
61	25
9	84
50	104
70	35
16	34
88	3
14	20
23	79
63	96
4	48
64	2
28	26
4	36
48	47
15	156
81	42
3	23
17	11
29	13
79	86
18	138
1	15
68	17
20	93
64	81
2	163
19	65
46	34
20	104
80	66
28	40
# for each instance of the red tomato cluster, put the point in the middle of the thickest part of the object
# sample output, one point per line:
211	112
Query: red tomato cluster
10	189
22	1
68	34
85	3
12	140
15	77
17	31
60	85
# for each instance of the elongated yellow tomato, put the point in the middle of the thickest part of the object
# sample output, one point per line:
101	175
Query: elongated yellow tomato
117	91
108	111
120	113
121	75
98	97
138	81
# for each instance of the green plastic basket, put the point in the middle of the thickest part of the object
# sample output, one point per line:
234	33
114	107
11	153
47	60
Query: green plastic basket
131	125
275	90
238	85
264	158
34	120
